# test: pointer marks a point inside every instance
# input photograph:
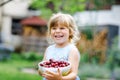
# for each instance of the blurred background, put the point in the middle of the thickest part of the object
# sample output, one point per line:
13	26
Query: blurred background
23	37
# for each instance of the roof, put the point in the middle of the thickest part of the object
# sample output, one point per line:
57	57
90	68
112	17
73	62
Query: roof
34	20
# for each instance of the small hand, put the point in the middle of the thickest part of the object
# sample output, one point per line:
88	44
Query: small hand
52	75
39	72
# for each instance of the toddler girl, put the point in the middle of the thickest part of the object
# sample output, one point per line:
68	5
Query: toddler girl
63	33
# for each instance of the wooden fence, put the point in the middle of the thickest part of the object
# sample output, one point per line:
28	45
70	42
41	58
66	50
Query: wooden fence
35	44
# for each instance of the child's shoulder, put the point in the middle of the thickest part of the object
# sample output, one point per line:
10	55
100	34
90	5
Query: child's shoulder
72	46
50	46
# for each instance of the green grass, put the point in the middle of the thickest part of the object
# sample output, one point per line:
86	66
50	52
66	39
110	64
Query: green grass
11	70
95	71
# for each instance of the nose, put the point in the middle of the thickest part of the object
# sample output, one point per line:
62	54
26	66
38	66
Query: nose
57	30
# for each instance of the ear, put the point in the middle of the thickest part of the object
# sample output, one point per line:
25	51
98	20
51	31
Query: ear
71	33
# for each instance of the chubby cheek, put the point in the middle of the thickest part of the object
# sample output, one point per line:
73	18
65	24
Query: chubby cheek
52	35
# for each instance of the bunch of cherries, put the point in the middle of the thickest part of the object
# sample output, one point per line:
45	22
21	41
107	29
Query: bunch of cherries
54	64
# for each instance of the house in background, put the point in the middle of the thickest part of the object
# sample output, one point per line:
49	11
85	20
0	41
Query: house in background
34	32
11	15
101	19
13	12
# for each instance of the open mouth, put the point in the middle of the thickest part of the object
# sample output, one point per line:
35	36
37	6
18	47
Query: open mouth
59	36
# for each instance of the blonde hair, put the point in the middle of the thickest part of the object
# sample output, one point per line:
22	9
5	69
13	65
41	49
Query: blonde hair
67	21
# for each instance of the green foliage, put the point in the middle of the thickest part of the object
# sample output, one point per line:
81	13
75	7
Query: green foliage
113	55
32	56
68	6
50	6
11	70
16	56
88	31
84	58
117	73
99	4
94	71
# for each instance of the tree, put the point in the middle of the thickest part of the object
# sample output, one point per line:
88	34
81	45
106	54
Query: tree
48	7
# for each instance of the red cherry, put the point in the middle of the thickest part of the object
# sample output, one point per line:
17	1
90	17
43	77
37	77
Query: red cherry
41	65
54	64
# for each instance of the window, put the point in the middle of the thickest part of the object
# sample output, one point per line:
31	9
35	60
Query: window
16	27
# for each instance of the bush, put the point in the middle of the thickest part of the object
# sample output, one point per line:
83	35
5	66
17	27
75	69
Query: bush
95	71
113	55
84	58
32	56
117	73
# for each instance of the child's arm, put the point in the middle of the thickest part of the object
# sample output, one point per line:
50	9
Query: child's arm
74	58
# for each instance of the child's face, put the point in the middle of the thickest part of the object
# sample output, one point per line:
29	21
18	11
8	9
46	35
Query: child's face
60	34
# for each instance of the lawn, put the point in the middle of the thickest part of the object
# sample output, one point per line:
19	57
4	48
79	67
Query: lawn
12	69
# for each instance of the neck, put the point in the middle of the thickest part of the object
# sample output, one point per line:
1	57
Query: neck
61	45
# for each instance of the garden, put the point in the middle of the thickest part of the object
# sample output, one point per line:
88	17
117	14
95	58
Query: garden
93	65
19	67
99	60
100	55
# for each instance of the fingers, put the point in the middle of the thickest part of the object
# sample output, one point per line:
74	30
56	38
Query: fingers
59	71
40	73
47	76
52	75
49	72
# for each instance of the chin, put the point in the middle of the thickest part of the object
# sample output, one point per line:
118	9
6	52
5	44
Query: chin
59	42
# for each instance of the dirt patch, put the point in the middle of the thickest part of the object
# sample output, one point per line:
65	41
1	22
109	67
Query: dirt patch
29	70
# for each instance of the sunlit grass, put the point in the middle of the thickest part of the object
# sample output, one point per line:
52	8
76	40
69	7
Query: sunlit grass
11	70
